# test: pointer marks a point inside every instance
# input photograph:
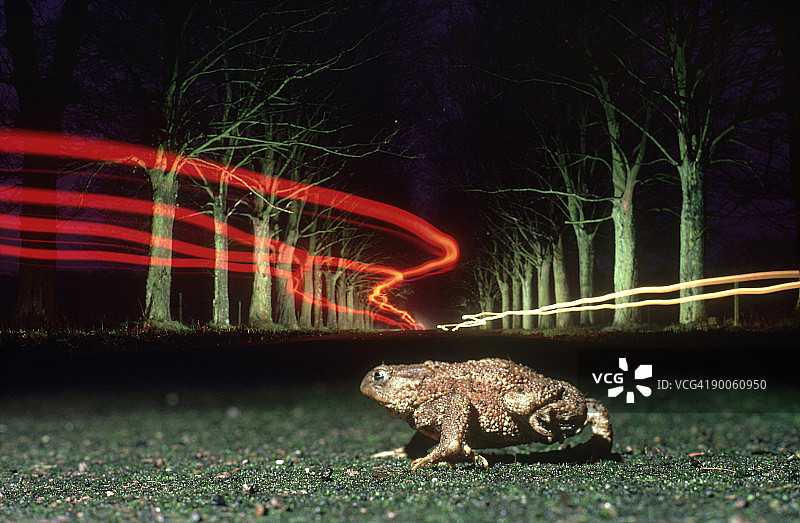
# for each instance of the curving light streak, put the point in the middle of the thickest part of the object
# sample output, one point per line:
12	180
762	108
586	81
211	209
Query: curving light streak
443	248
585	304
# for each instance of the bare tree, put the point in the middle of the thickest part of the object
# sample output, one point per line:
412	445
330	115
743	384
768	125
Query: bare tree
163	177
625	165
593	63
254	96
302	133
592	97
568	173
715	76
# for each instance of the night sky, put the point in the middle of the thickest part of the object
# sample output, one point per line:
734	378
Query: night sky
450	111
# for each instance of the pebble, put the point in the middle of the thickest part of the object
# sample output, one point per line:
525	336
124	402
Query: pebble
277	503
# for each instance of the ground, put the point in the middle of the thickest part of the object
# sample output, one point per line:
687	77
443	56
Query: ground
211	442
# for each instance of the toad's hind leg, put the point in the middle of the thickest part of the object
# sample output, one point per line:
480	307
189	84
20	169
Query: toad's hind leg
598	419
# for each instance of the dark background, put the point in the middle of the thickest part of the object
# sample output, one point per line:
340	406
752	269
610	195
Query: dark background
448	88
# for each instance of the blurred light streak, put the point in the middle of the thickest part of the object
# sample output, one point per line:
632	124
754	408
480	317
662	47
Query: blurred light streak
440	246
480	319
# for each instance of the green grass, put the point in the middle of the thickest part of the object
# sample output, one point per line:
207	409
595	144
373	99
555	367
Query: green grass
302	452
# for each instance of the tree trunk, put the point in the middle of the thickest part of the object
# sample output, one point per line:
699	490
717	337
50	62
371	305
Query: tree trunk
308	287
330	293
332	321
286	301
516	299
158	288
261	300
692	241
484	287
352	318
545	296
317	310
528	322
584	232
560	283
364	318
221	303
623	180
342	317
505	300
690	172
585	270
305	306
486	304
625	270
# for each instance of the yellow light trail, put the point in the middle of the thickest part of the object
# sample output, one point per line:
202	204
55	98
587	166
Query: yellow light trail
595	303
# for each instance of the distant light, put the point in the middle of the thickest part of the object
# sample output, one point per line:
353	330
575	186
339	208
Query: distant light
586	304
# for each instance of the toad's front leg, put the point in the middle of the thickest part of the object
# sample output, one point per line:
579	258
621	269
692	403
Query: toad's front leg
452	425
417	447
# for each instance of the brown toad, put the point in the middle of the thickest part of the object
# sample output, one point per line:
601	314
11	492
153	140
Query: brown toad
481	404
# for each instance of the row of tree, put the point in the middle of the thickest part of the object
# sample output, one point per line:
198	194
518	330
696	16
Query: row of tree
603	113
558	124
268	86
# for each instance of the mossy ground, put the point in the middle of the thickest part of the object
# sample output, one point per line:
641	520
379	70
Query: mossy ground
302	454
195	449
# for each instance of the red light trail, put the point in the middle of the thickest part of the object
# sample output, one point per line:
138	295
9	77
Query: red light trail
442	248
595	303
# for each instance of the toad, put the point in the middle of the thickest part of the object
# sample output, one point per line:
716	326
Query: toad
488	403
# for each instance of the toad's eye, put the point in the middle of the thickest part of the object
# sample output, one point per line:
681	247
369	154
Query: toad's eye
380	376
